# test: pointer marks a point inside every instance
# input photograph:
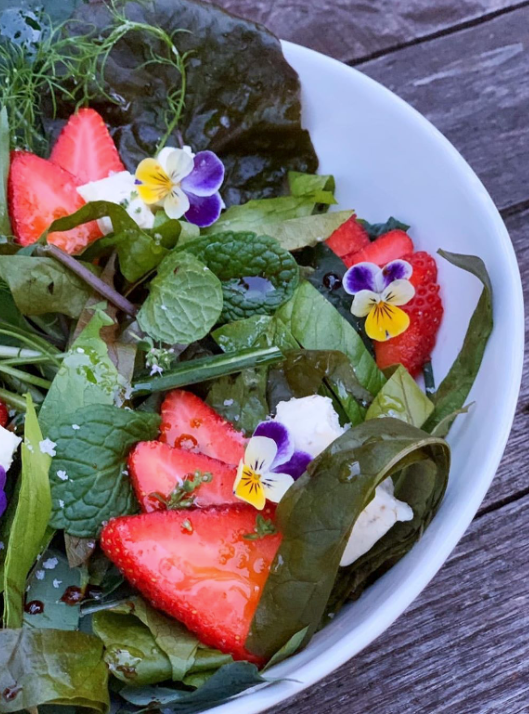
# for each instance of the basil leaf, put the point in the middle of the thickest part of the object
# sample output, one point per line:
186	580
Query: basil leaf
30	521
375	230
52	667
184	302
242	399
236	258
42	285
401	398
88	482
5	143
316	517
453	391
259	330
87	376
316	325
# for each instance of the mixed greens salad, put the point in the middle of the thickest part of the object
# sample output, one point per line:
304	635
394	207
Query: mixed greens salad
212	435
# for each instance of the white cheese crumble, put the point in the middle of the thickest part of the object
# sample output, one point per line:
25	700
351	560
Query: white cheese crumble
311	421
47	446
56	583
62	475
9	443
75	427
375	521
118	188
40	574
51	563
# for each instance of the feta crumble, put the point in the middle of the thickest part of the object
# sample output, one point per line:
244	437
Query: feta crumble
56	583
40	574
62	475
47	446
75	427
50	564
312	422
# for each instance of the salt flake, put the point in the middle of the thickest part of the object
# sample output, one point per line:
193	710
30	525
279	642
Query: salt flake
47	446
62	475
51	563
75	427
56	583
40	574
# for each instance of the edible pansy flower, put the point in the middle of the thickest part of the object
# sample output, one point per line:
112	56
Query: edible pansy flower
377	294
3	497
270	465
183	183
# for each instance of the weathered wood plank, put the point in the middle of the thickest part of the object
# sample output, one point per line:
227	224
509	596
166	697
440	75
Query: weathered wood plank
473	85
351	30
460	648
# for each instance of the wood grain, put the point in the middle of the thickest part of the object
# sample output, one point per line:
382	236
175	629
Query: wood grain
353	30
461	648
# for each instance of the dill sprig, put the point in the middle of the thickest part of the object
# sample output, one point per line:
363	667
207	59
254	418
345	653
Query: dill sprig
64	65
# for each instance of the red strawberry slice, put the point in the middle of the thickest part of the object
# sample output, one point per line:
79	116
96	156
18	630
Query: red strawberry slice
390	246
4	414
349	238
39	192
414	347
189	423
160	468
197	567
86	149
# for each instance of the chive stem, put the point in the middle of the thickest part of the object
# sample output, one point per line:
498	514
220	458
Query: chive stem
13	400
18	352
25	377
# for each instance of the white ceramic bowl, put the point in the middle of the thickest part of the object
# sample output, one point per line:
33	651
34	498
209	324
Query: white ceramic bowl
389	160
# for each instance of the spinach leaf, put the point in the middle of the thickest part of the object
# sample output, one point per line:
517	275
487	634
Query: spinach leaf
52	667
316	517
259	330
317	325
89	482
5	224
443	427
184	302
242	399
453	391
401	398
10	315
242	98
30	521
50	579
42	285
289	649
87	376
375	230
241	259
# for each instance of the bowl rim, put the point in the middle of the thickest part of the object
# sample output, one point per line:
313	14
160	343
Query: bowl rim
259	699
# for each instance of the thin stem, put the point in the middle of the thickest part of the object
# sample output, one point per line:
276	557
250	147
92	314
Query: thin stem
90	279
25	377
13	400
44	359
18	352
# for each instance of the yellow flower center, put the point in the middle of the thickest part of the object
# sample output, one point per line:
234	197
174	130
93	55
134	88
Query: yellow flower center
250	488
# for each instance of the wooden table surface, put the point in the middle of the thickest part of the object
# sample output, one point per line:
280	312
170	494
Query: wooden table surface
463	645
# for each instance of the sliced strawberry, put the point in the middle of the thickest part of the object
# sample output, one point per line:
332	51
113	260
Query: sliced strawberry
349	238
86	149
189	423
414	347
39	192
197	567
160	468
390	246
4	414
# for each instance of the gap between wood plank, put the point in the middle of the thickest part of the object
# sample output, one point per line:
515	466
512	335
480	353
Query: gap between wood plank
446	31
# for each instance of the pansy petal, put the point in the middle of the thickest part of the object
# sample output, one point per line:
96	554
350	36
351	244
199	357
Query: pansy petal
207	175
179	164
279	433
363	302
248	487
276	485
204	210
260	453
361	276
152	181
2	477
386	321
399	292
297	465
3	503
176	203
396	270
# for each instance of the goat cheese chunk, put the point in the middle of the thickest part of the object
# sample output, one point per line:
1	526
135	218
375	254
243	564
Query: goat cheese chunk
118	188
312	422
375	521
9	443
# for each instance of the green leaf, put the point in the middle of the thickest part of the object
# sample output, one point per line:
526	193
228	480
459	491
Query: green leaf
401	398
87	376
42	285
316	517
375	230
317	325
443	427
242	399
453	391
256	331
30	520
289	649
5	144
302	184
236	258
50	579
52	667
184	302
89	482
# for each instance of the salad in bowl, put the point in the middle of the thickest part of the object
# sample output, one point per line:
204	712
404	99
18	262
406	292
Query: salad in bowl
219	421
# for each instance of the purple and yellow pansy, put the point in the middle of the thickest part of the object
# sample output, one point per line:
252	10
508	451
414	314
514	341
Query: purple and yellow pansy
378	292
3	497
270	465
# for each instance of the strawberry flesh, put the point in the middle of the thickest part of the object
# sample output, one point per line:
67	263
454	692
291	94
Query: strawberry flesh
189	423
348	238
390	246
159	468
197	566
4	414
